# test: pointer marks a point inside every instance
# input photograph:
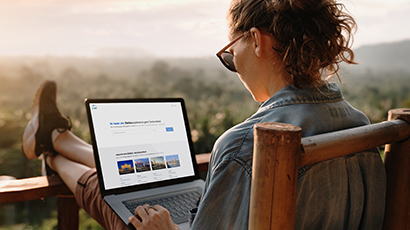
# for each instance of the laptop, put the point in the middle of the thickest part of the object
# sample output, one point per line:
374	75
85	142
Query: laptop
144	154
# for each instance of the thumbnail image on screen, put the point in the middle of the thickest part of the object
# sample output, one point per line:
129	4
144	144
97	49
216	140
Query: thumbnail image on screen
158	163
125	167
142	165
172	161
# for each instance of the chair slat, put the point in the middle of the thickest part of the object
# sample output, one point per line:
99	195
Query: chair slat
341	143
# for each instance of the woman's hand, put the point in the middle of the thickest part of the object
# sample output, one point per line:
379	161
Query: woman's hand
152	218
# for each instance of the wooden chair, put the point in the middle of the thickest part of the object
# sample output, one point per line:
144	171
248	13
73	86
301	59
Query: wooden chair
279	150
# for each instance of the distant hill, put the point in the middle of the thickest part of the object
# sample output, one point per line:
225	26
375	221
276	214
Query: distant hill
385	57
381	59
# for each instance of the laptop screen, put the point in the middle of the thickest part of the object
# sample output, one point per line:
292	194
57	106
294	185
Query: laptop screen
140	142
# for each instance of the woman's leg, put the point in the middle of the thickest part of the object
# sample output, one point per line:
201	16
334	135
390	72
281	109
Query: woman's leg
48	133
83	182
68	170
73	148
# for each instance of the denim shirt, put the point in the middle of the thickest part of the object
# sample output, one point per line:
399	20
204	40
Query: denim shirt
324	200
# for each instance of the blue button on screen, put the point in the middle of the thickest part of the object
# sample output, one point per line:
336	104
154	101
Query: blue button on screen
169	129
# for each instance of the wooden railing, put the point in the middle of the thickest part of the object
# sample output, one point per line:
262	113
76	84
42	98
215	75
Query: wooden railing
40	187
279	151
52	186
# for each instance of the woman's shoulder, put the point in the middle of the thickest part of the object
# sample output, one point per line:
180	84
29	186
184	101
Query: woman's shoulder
317	118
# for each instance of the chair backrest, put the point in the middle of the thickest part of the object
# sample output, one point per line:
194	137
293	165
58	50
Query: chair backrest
279	151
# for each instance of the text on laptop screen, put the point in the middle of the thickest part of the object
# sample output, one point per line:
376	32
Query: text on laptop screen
141	143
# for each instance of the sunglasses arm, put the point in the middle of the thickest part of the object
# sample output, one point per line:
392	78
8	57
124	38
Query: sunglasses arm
230	44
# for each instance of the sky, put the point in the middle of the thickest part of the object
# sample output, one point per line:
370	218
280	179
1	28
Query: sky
162	28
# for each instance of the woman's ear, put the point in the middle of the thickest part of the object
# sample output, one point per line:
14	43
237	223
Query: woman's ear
257	36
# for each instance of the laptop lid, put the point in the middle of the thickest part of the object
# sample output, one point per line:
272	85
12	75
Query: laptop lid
140	143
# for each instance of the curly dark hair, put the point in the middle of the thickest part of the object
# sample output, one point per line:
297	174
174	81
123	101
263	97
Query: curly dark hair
312	36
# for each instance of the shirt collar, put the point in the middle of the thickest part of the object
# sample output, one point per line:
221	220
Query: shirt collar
325	92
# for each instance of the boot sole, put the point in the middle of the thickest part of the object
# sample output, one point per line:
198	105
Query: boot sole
29	135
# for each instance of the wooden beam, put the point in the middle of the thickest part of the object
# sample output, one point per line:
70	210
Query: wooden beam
203	161
274	176
68	218
341	143
32	189
397	165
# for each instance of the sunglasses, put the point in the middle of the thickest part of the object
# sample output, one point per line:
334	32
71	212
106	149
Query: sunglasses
226	57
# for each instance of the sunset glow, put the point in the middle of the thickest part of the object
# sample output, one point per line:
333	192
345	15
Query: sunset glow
185	28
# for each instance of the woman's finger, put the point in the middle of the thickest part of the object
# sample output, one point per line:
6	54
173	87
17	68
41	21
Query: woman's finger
166	217
151	210
147	207
140	211
134	221
160	209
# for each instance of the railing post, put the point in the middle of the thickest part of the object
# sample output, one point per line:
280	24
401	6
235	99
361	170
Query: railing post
397	165
67	213
274	176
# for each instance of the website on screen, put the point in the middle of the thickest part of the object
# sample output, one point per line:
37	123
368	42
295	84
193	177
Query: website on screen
141	142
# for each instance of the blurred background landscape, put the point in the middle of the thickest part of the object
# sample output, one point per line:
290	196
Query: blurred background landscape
105	62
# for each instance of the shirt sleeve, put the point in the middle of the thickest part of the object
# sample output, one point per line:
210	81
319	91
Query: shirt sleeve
225	202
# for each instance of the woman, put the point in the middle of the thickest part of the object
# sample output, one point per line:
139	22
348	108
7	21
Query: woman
283	51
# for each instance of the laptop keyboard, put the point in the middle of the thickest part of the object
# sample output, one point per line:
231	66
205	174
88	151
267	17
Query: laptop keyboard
178	204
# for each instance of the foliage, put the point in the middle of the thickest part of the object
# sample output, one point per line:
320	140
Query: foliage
376	93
